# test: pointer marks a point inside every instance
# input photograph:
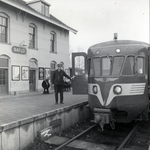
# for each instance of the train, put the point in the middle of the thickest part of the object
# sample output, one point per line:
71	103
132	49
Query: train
116	76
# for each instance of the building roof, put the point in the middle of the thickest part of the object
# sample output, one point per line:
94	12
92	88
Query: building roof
22	5
33	1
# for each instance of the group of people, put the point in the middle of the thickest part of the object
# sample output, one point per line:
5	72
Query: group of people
58	82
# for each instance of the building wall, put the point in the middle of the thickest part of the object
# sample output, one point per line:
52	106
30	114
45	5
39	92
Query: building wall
19	32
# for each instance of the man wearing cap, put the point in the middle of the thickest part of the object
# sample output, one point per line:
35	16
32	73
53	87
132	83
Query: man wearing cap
59	83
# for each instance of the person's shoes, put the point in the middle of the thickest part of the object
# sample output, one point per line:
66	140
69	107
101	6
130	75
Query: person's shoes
56	103
61	103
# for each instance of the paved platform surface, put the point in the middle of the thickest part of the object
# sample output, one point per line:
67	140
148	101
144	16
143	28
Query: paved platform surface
16	107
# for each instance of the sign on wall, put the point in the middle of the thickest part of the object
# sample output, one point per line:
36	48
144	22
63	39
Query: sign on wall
47	73
19	50
25	73
41	73
15	73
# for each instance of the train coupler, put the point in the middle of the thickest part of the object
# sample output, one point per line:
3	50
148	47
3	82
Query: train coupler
103	116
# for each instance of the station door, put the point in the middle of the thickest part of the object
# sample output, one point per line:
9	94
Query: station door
32	80
3	81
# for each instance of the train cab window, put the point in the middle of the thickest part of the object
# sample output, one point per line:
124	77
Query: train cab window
117	65
140	65
96	64
129	66
79	65
106	66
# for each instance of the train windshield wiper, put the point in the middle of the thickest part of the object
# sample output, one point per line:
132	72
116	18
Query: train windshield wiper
110	58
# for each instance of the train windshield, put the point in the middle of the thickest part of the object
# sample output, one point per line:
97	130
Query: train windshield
106	66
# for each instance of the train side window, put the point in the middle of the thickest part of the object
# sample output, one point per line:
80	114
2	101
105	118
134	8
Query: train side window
90	68
129	66
140	65
79	65
96	64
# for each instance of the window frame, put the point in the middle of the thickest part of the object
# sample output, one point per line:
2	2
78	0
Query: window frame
111	65
133	65
32	36
45	9
110	69
4	16
99	66
53	42
120	71
136	65
90	67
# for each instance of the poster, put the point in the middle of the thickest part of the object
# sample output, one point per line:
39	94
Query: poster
25	73
15	73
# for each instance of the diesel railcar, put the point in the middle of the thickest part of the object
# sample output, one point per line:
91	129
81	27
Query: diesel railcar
116	77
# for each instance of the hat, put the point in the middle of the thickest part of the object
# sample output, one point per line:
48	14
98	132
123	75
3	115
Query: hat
59	65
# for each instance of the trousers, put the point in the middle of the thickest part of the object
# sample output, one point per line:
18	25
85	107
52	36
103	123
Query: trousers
58	88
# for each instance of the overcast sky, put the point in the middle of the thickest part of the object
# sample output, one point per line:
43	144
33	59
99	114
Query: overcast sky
97	20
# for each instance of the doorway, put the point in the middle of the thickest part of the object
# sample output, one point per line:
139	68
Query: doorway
32	80
3	81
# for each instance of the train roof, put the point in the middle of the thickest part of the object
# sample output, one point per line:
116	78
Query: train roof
119	42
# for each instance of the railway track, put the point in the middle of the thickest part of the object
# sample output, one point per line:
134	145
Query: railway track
74	138
89	136
83	140
129	137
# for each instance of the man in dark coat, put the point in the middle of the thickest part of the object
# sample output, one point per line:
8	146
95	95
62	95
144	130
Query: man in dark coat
45	85
59	82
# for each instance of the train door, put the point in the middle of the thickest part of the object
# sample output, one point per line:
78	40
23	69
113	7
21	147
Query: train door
79	70
32	80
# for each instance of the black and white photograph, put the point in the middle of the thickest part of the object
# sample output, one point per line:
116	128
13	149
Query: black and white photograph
74	74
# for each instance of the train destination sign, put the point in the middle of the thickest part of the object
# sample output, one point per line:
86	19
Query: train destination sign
19	50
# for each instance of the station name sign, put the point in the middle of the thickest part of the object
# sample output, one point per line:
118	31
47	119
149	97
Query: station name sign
19	50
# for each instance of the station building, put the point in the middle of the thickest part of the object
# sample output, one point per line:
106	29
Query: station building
32	43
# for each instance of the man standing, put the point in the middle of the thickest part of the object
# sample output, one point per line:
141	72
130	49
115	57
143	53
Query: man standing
59	83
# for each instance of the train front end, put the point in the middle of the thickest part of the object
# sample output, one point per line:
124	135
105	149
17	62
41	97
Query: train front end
118	82
115	77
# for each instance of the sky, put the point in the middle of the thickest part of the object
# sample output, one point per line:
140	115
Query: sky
97	20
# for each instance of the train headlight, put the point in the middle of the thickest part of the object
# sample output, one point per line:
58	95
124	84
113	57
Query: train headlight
95	90
118	50
117	89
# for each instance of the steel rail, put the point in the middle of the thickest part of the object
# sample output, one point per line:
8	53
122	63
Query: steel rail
129	137
69	141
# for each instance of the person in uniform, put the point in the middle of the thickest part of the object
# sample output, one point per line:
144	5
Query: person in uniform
59	82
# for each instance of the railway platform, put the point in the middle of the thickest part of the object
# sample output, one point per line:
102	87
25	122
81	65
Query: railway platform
16	107
22	116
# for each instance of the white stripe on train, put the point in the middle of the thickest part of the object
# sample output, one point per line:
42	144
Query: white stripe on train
127	89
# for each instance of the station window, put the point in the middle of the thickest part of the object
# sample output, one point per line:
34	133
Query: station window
3	28
3	62
32	36
45	9
53	42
